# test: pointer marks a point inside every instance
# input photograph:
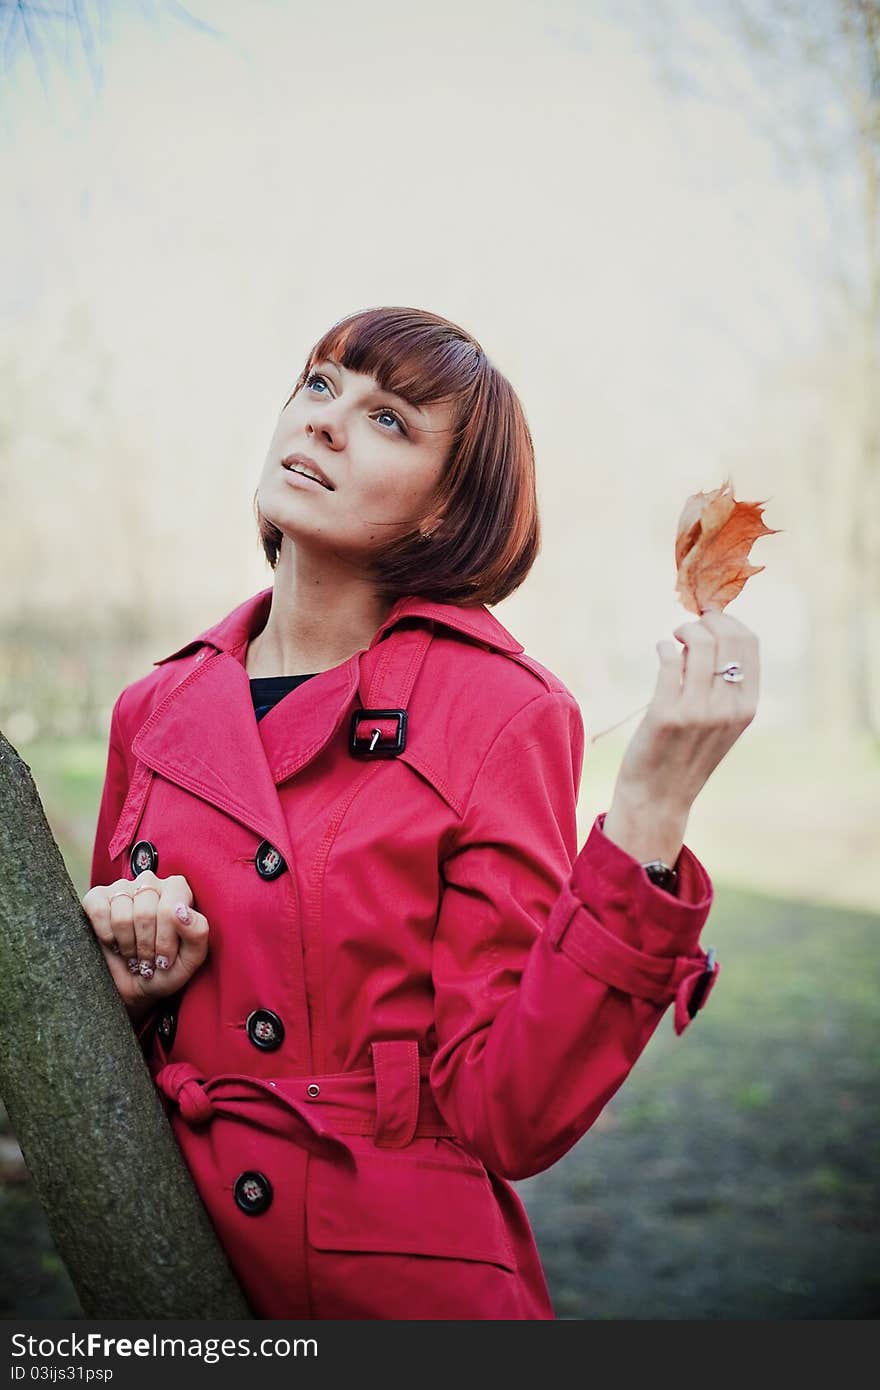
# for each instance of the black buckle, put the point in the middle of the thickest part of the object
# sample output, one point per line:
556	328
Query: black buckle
372	748
698	993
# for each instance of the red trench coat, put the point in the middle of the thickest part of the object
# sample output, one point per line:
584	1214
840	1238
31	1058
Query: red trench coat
416	988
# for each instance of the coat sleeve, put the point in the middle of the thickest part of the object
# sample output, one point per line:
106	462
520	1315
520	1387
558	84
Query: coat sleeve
116	783
551	968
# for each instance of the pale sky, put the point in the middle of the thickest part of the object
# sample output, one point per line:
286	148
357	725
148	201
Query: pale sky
634	262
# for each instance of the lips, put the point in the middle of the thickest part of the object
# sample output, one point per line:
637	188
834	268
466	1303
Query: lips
295	461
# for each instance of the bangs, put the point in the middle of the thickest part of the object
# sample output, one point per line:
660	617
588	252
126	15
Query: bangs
422	358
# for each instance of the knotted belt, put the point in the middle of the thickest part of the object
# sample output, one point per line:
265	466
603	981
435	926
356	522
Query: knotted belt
392	1100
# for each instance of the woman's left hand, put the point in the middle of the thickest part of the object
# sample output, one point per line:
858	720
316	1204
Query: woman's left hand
695	716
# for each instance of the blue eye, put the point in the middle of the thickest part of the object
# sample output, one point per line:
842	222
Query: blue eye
314	377
392	416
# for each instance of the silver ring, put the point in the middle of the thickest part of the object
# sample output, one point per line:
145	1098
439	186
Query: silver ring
147	888
121	894
731	672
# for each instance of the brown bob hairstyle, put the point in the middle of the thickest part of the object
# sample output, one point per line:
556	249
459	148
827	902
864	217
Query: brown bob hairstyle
489	534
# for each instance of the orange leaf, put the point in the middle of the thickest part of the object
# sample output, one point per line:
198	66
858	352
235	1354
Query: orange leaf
712	543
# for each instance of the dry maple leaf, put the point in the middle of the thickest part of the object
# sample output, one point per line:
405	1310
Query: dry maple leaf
712	542
714	536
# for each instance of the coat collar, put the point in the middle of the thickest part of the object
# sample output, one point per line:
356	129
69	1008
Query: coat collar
203	735
249	618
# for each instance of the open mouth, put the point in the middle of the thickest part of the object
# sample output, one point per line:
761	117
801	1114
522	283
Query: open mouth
304	471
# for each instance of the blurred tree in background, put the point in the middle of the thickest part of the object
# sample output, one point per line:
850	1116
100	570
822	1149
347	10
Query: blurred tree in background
73	483
819	70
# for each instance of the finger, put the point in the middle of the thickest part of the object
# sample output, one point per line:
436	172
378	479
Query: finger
699	660
725	625
146	890
735	643
668	687
128	985
192	932
176	895
122	921
146	897
96	905
737	698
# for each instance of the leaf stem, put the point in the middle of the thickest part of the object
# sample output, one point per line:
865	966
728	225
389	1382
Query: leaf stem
612	727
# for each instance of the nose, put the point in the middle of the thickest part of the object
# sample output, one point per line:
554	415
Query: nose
324	422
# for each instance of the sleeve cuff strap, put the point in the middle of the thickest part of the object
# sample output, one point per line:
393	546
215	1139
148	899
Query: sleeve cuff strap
689	980
606	878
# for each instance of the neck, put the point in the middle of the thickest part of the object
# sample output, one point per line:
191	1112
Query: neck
321	614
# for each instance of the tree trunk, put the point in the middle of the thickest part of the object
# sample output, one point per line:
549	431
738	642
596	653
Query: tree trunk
119	1200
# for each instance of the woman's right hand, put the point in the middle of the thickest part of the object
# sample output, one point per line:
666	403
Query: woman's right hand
151	935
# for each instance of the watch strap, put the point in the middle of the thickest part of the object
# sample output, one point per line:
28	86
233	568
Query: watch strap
662	875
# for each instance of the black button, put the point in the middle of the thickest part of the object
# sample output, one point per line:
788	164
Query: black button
270	863
253	1192
144	855
166	1027
265	1029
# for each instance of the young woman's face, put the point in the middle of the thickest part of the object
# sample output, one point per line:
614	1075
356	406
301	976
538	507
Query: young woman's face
381	456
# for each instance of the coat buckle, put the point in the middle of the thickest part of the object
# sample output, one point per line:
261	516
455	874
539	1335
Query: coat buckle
371	747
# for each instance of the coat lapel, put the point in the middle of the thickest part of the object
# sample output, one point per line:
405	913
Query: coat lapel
204	735
303	723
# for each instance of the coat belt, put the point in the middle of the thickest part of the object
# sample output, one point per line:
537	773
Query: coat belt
392	1100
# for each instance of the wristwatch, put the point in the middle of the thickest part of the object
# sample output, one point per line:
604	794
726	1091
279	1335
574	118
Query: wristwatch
662	875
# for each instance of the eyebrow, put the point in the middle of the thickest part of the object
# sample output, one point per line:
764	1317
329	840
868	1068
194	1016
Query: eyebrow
379	389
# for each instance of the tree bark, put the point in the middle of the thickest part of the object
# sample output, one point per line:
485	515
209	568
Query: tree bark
120	1204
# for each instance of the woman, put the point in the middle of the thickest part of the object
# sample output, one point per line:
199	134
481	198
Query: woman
336	875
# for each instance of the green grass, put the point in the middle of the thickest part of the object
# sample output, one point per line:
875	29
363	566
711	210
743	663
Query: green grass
735	1173
789	815
69	777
